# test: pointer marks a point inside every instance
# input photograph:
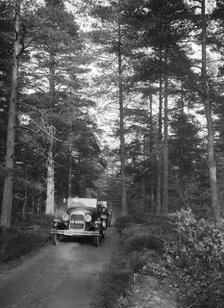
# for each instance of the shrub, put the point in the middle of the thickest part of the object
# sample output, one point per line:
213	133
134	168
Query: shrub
139	242
123	222
199	257
42	220
15	243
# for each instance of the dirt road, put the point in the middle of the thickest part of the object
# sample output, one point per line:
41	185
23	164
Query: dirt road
63	276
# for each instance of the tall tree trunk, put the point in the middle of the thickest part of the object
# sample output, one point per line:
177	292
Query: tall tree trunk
165	151
50	174
25	194
151	154
70	171
25	203
144	168
159	156
207	104
50	160
122	139
143	193
9	164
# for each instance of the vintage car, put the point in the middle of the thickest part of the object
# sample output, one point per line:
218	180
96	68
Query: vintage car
84	217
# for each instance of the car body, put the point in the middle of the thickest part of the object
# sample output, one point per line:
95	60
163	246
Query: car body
84	217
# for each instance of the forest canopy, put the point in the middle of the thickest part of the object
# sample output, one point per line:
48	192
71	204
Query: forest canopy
121	100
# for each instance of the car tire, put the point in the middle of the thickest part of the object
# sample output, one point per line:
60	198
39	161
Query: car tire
96	241
56	239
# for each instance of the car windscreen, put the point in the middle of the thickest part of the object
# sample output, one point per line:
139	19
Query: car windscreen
81	208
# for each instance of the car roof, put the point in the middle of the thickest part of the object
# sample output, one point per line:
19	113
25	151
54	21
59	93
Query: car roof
82	202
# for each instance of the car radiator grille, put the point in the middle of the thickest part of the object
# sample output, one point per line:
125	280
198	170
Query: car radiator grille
74	224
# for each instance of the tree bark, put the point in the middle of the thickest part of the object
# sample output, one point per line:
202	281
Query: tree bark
50	160
165	151
151	155
25	203
122	139
159	156
6	212
207	104
70	171
50	174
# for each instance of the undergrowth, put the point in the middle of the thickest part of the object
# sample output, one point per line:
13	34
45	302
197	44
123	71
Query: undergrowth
41	220
187	252
20	240
197	258
15	243
136	250
123	222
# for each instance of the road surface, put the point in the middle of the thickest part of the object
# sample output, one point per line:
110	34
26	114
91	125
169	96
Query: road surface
64	276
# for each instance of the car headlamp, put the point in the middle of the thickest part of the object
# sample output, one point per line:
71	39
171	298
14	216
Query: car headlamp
65	217
88	218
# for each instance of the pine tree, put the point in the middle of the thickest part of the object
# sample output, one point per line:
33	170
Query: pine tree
10	151
55	41
5	56
110	14
161	26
